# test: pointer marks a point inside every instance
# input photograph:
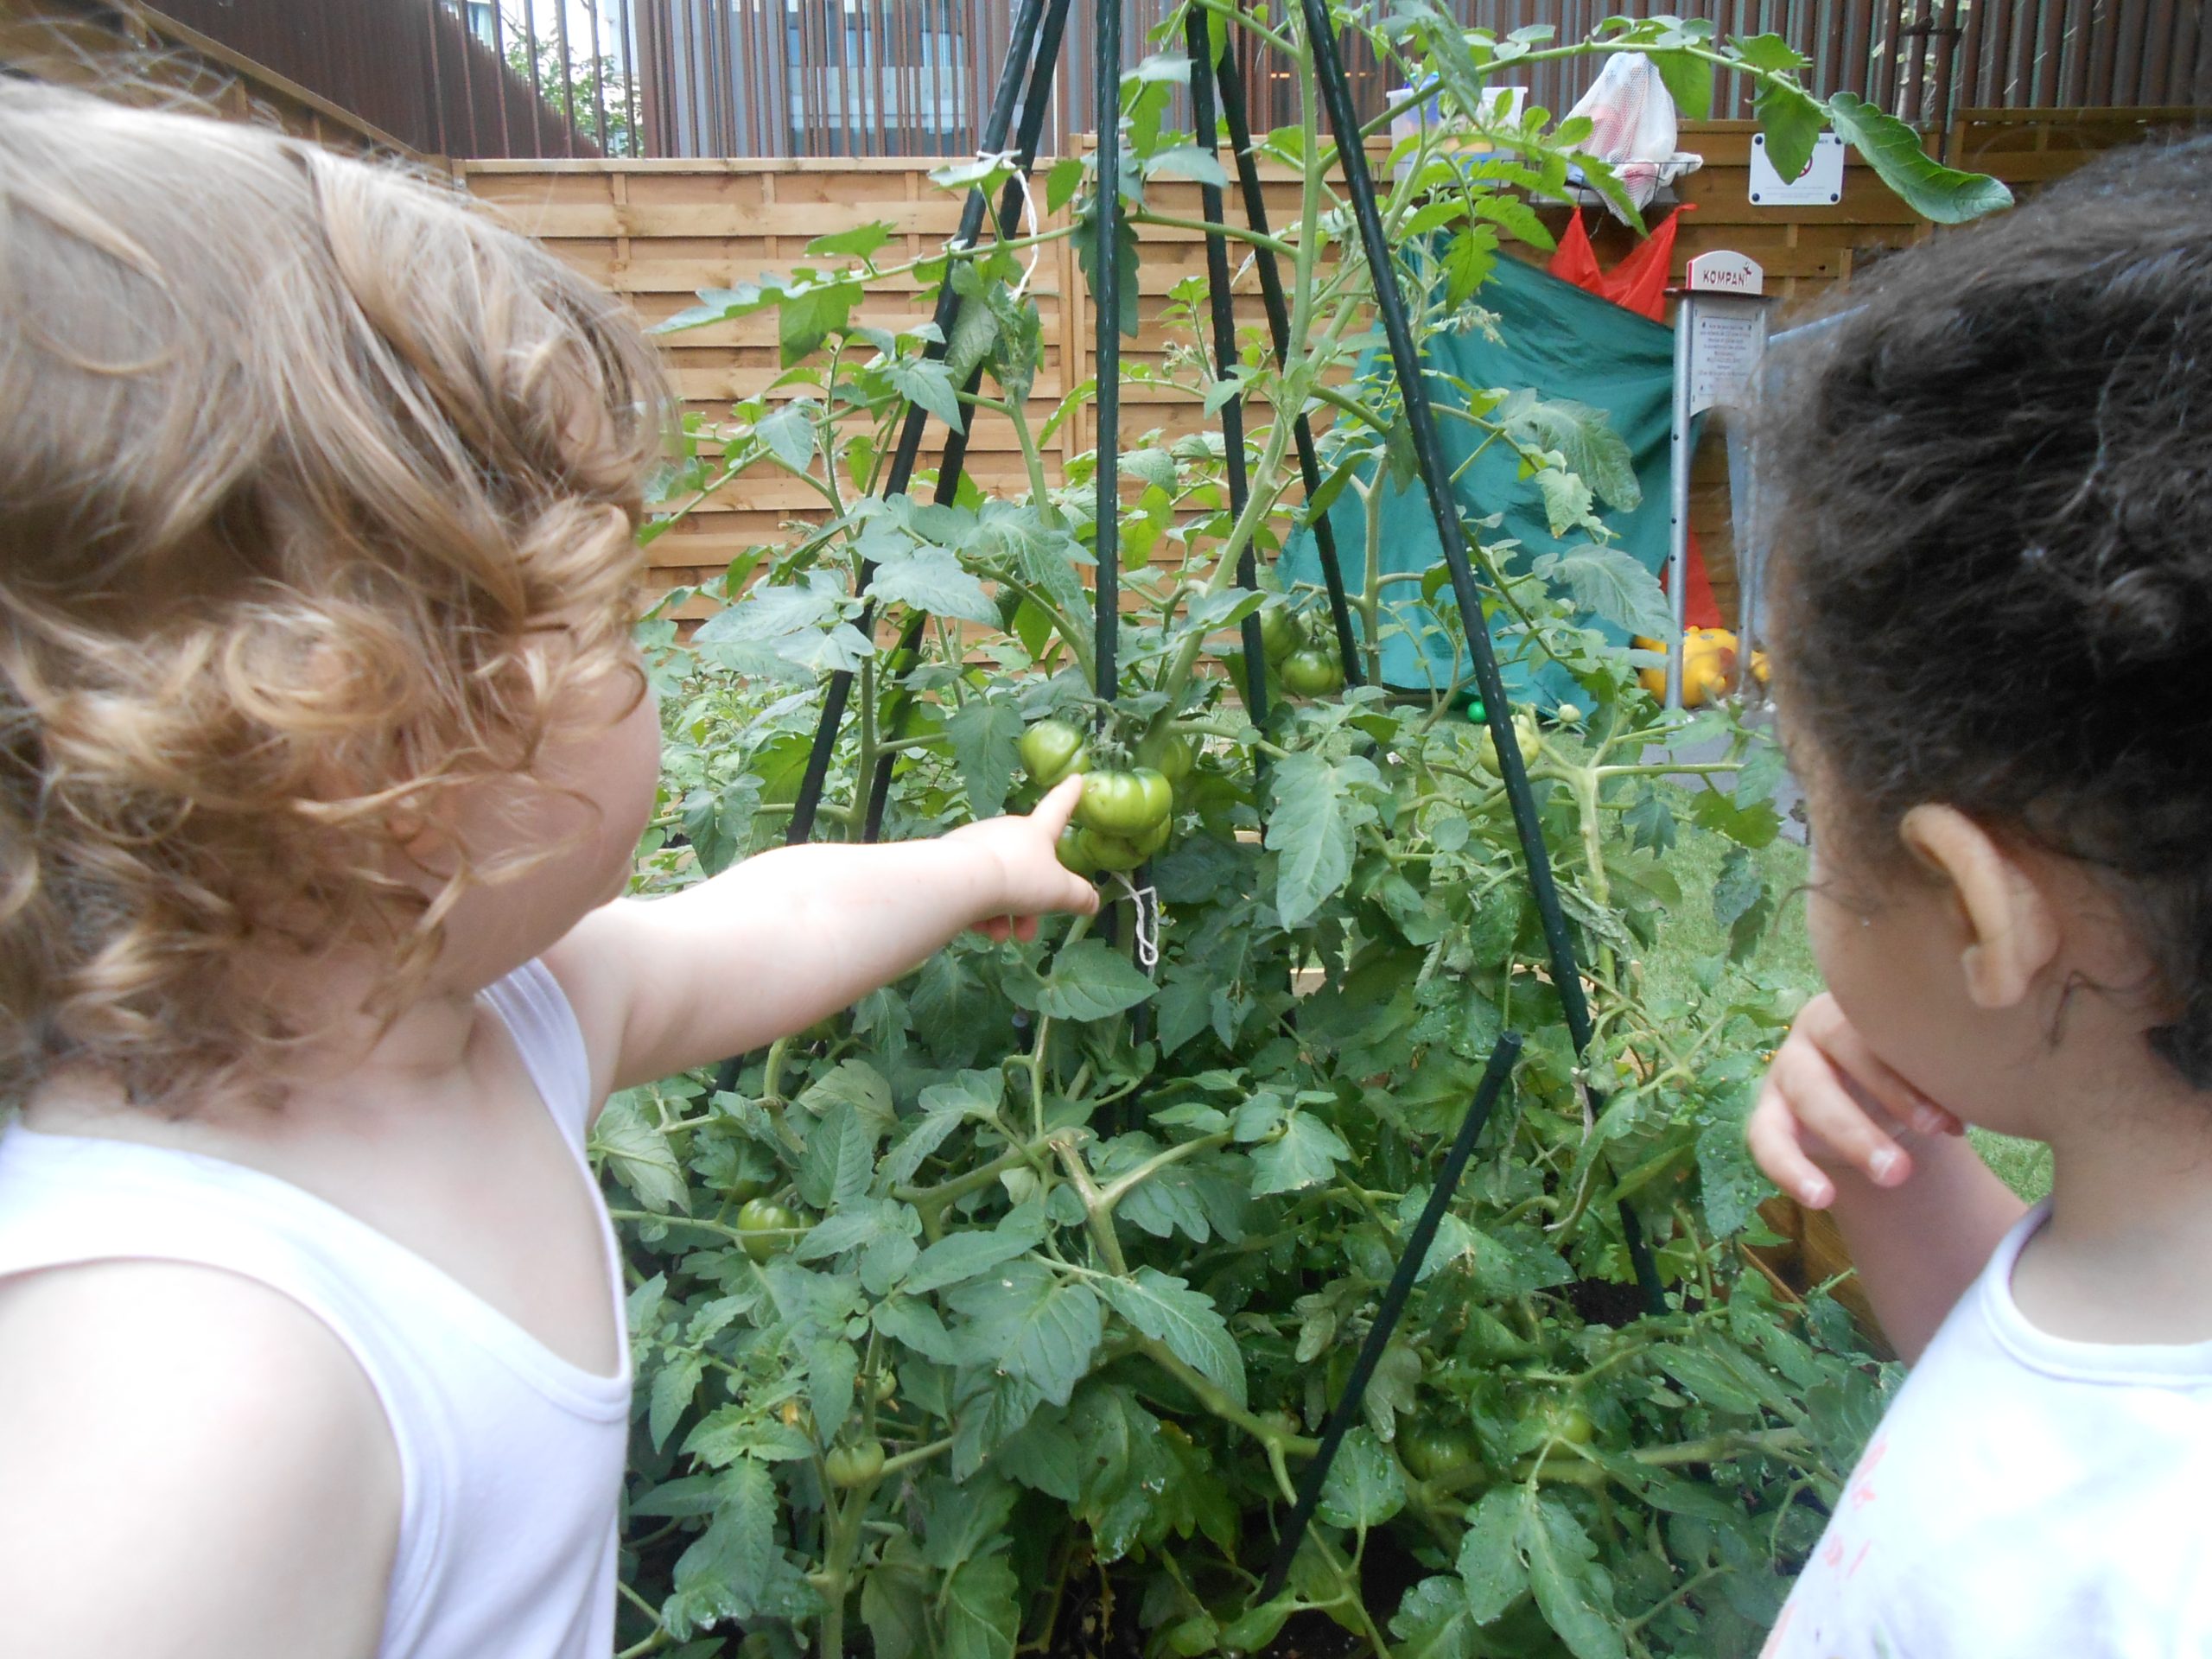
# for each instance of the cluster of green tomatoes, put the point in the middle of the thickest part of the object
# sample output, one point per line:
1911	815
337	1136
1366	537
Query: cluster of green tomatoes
1125	815
1306	664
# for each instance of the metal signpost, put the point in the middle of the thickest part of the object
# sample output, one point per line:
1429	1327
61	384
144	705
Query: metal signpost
1720	331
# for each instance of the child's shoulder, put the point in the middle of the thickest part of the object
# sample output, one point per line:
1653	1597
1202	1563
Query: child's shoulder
251	1447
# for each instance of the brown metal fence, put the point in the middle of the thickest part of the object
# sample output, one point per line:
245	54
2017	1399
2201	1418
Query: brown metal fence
768	78
912	78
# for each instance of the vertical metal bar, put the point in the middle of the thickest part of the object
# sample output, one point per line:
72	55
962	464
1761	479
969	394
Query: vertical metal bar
537	84
2079	36
467	43
2104	73
839	692
1566	977
878	38
1950	41
430	10
499	51
1678	496
2050	54
1197	40
633	52
1890	64
1230	82
567	75
598	78
1994	84
2181	56
2152	61
768	95
1106	83
1388	1311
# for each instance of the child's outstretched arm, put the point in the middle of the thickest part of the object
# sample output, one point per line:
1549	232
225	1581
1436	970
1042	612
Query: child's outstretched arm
1830	1129
773	945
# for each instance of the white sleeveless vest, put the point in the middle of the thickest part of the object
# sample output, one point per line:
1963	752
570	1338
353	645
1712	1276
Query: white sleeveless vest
510	1459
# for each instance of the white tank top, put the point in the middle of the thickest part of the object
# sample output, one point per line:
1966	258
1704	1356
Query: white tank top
510	1459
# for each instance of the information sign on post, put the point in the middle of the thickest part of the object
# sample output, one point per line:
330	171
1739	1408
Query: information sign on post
1720	331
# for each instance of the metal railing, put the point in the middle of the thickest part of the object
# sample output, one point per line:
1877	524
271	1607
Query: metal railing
768	78
897	78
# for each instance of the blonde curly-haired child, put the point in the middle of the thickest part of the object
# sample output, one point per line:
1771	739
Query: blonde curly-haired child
323	753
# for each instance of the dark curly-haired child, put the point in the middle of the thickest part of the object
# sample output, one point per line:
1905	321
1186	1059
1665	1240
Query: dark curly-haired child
1994	584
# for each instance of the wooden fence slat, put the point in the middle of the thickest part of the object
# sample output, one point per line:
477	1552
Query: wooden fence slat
675	227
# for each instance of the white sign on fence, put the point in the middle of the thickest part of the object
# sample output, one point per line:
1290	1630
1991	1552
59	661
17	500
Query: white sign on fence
1820	185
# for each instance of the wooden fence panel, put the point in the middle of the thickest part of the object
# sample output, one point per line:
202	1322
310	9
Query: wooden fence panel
655	231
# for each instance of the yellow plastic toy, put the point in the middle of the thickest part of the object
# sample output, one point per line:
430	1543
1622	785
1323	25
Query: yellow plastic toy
1708	666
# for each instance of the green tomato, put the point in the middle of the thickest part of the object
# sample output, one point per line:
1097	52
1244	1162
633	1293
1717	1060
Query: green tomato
1543	1420
767	1229
1050	750
1074	852
1312	673
1125	803
1486	751
1436	1451
1281	633
854	1465
1149	841
1571	1424
1108	852
1168	753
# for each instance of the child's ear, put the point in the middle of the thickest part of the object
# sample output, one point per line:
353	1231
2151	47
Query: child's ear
2011	932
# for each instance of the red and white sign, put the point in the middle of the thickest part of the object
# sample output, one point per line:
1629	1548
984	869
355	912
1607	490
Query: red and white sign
1724	272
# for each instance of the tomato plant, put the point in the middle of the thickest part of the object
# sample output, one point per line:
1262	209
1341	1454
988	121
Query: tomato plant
1095	1245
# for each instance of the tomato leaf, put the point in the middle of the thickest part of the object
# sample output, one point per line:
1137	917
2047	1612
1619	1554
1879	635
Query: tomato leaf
1791	119
1364	1486
839	1159
926	381
862	241
1307	1153
639	1155
1041	1330
1318	805
1689	83
961	1256
1573	1592
1611	584
984	734
1088	981
1434	1622
789	432
1167	1310
1491	1568
932	579
981	1615
672	1391
1893	150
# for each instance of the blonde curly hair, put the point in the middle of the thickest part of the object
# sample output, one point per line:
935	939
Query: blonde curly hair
304	465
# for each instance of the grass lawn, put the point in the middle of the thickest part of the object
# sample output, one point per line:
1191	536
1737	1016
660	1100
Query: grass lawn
1693	936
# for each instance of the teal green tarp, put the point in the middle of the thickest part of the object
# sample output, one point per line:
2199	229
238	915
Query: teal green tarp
1565	344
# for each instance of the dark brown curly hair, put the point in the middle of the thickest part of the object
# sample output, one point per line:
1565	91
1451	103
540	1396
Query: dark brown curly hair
1991	470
